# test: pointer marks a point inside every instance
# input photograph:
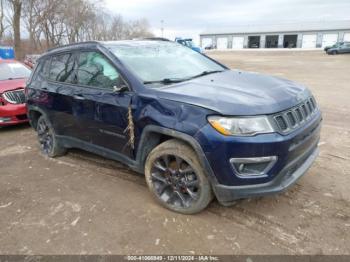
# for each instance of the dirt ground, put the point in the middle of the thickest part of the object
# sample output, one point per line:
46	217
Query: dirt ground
84	204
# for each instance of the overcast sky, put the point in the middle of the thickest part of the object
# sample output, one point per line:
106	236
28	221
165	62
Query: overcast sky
188	18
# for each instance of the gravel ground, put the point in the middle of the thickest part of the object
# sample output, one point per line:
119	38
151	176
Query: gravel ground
84	204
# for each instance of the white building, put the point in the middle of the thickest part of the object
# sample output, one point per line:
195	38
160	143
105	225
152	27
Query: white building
289	35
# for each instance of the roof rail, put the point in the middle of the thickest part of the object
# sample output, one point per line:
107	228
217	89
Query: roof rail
72	44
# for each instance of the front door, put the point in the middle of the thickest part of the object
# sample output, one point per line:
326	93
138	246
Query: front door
102	112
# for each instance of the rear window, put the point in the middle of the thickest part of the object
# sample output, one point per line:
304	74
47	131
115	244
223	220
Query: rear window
62	68
9	71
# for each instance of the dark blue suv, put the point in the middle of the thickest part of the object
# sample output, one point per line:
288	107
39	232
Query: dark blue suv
195	128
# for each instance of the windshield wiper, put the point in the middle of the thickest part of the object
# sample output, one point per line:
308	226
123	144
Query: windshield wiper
204	73
166	81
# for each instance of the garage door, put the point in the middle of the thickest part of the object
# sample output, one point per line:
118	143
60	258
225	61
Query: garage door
329	39
221	43
309	41
206	42
237	42
346	37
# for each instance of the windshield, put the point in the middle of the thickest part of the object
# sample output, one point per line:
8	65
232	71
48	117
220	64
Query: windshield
10	71
156	61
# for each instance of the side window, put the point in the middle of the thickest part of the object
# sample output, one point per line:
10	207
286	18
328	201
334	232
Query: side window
96	71
42	70
45	66
62	68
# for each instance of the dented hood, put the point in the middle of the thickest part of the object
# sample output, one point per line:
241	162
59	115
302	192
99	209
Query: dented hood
234	92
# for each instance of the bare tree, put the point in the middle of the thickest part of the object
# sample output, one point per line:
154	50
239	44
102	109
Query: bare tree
2	19
138	29
55	22
32	10
77	16
16	6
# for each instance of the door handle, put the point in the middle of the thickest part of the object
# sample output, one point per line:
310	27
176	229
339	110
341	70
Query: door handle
78	97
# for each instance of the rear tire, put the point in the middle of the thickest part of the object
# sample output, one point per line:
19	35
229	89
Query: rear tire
176	178
48	142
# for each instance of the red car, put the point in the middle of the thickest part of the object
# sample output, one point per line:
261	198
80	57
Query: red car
13	76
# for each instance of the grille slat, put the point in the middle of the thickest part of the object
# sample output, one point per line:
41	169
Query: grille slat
281	122
14	97
299	114
309	106
293	118
305	111
312	100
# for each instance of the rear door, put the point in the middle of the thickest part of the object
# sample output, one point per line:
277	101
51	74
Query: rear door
51	88
60	89
102	112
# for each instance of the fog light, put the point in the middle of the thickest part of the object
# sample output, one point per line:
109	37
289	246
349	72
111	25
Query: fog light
253	166
5	119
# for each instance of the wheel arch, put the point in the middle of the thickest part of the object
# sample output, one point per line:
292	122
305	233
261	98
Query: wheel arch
153	135
34	113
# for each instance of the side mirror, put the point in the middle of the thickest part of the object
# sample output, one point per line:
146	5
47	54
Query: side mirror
121	88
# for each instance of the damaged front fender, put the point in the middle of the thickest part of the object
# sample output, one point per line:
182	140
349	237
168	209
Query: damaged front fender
155	119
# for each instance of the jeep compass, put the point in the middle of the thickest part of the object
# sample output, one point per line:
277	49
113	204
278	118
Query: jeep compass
195	128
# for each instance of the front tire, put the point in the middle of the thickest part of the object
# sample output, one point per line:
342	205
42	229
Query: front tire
48	142
176	178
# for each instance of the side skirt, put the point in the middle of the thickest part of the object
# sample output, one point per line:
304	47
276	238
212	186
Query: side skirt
70	142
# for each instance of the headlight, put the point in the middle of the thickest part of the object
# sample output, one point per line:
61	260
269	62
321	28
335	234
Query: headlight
241	126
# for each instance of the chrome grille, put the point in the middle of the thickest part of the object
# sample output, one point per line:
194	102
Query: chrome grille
14	97
293	118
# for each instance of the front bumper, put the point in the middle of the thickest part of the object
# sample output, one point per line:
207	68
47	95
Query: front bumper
285	179
11	114
294	152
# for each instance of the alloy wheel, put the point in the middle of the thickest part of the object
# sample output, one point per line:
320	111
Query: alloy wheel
175	181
